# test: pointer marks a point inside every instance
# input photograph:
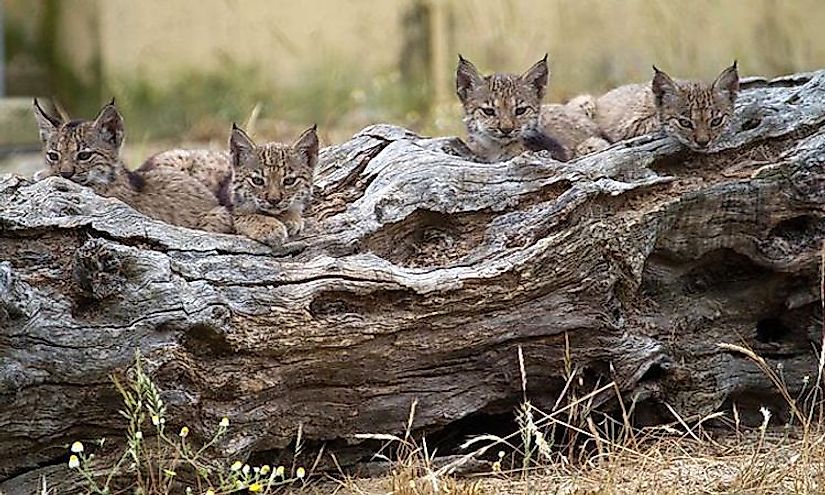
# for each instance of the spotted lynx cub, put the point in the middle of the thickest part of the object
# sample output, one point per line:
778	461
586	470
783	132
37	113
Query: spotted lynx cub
501	111
88	153
695	113
271	185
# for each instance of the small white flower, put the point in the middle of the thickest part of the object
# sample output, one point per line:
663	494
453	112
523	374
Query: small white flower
155	419
279	471
224	422
139	435
806	379
300	473
77	447
501	454
74	462
265	469
245	469
210	492
183	432
236	466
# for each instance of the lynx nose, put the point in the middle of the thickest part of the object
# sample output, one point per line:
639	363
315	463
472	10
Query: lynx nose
506	130
702	141
66	174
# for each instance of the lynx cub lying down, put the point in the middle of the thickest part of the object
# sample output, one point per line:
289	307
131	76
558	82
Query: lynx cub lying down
88	153
266	187
694	112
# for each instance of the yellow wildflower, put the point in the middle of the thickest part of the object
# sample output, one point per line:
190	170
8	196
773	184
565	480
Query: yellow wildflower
74	462
77	447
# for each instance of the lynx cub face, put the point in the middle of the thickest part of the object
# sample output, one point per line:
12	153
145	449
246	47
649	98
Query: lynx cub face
86	152
693	112
500	108
272	178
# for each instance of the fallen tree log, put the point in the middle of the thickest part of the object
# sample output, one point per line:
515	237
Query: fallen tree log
420	275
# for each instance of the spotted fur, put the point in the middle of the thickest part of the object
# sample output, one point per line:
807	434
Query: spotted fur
211	167
271	185
694	112
88	153
501	110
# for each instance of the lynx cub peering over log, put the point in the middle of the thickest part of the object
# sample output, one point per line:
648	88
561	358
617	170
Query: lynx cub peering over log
501	111
271	185
88	153
694	112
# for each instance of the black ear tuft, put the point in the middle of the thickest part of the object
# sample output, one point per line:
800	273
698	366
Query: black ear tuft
241	146
728	82
109	124
467	78
307	144
663	86
47	124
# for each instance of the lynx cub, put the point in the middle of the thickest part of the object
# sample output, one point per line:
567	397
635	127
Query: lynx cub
88	153
502	111
693	112
271	185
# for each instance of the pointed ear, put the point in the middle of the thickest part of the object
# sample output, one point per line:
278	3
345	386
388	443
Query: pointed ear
241	146
307	145
467	78
728	82
537	76
109	124
46	123
664	88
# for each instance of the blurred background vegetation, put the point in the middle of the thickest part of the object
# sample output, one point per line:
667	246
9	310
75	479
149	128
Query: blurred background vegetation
183	70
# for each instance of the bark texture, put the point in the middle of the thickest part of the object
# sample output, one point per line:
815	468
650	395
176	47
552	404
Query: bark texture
420	274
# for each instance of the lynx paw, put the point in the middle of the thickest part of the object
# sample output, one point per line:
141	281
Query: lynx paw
275	236
294	226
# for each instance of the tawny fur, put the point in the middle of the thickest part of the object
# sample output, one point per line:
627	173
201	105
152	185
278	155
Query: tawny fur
211	167
571	125
88	153
694	112
271	185
501	110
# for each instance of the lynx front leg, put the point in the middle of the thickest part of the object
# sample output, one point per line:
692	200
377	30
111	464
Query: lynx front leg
218	220
268	230
293	221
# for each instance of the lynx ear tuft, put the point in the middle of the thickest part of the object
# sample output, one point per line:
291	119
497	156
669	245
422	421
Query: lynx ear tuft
663	87
307	144
467	78
47	124
727	82
109	124
241	146
537	77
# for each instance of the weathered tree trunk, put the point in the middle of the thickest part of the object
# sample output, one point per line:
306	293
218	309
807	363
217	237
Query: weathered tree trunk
421	274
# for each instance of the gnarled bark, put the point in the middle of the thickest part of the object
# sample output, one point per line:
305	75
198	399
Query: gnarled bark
419	276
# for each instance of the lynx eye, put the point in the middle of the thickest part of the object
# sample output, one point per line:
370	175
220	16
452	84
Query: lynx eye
685	122
83	156
716	122
53	156
489	111
521	110
256	181
288	181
